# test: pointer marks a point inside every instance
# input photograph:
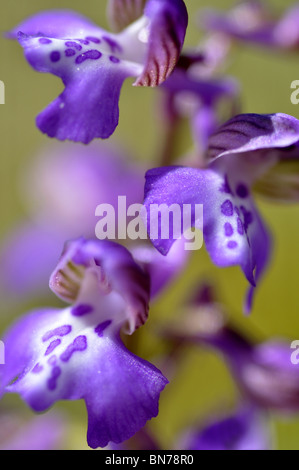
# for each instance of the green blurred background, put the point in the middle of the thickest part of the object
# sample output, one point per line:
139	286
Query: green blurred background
202	383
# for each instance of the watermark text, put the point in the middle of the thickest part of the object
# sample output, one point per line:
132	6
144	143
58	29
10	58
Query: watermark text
295	354
164	222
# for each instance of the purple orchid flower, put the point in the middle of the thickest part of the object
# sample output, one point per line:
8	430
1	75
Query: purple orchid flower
197	97
76	353
100	173
246	429
195	90
61	189
264	372
94	63
253	22
240	152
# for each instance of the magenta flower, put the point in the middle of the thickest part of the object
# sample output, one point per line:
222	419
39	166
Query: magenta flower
94	63
263	371
76	353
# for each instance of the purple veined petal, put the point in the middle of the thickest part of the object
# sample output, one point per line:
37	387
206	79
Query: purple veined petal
233	230
251	132
56	24
113	268
167	29
246	429
122	13
68	358
162	270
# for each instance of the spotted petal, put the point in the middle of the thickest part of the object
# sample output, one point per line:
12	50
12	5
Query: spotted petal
56	24
92	73
93	64
77	354
233	230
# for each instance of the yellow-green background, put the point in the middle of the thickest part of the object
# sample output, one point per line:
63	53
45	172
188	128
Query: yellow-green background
202	383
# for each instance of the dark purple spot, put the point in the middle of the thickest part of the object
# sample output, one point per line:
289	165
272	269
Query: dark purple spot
242	191
237	210
92	54
44	41
60	331
99	330
37	369
55	56
83	41
93	39
227	208
248	217
53	345
225	188
73	44
113	59
52	382
228	229
114	46
70	52
81	310
232	245
79	344
240	226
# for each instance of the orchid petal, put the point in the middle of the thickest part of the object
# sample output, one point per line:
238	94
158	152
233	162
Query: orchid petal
168	24
233	230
